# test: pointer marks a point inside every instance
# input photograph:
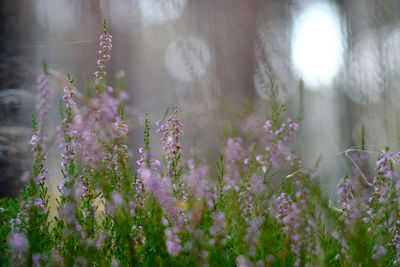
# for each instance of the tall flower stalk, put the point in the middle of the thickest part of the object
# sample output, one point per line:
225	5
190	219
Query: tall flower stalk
35	197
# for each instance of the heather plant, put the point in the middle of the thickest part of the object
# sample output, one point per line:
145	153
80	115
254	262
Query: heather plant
259	205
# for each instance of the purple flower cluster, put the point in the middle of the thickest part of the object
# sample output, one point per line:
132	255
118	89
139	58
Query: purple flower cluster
37	141
285	132
256	185
160	188
19	245
343	253
172	131
381	187
34	141
233	156
146	161
43	97
241	261
347	205
218	229
358	173
105	48
290	214
276	150
39	203
253	233
101	127
120	128
383	165
396	242
173	242
197	181
254	125
147	165
119	158
68	134
246	205
37	149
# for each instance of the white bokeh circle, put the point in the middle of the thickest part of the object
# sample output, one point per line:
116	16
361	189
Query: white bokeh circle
317	44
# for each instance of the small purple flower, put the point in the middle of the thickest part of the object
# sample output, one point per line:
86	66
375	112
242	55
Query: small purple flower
196	179
161	189
173	242
219	226
105	47
241	261
117	199
18	244
34	141
43	97
172	131
233	155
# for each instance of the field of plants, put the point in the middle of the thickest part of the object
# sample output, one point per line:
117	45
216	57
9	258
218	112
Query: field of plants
258	205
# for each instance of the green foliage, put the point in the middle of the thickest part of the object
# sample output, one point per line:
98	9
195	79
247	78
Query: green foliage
8	211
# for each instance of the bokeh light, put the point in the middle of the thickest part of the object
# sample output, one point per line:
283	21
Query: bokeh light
317	45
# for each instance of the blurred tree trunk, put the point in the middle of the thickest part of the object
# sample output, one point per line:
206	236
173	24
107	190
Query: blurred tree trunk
16	103
234	35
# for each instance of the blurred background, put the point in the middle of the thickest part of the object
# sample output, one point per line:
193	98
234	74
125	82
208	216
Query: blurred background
333	63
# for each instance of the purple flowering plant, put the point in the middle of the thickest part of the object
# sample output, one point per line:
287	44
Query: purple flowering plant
258	206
